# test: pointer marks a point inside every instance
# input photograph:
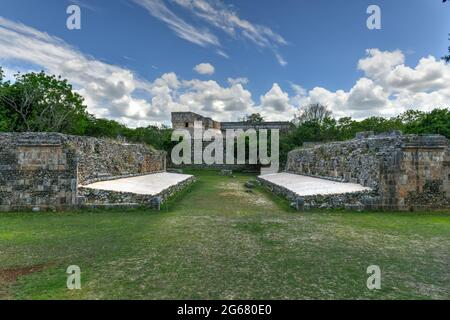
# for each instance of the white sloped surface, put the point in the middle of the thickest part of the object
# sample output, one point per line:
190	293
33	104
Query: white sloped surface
308	186
149	184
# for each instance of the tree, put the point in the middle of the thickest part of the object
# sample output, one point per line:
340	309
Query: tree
39	102
313	112
104	128
434	122
5	117
255	118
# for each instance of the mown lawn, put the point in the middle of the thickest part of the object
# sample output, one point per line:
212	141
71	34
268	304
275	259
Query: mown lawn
218	242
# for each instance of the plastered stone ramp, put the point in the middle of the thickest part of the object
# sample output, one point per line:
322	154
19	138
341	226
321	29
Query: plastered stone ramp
151	184
309	186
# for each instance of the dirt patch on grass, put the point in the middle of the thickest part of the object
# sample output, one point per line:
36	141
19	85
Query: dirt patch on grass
236	189
9	276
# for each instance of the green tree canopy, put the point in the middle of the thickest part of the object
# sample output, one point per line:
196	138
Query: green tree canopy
39	102
254	118
312	113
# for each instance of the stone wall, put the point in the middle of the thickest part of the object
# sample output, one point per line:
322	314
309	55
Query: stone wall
44	170
36	171
350	201
283	126
406	171
185	120
99	198
103	159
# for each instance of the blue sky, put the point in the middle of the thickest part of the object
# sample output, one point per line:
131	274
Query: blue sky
281	55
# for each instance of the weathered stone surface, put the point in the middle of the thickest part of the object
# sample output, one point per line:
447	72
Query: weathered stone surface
102	159
186	120
316	201
397	167
43	170
100	197
299	204
37	171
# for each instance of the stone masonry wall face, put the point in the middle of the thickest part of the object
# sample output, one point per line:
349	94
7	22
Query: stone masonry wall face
45	169
102	159
407	171
99	198
36	171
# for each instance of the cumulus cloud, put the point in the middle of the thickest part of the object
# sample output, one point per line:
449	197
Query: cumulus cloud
204	68
117	93
106	87
241	80
275	99
210	98
276	104
387	88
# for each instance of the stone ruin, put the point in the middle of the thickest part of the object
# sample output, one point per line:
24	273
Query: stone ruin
51	170
186	120
46	170
403	172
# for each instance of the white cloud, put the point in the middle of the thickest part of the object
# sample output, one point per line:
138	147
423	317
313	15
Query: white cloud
114	92
104	86
298	89
186	31
204	68
276	104
240	80
281	60
387	88
216	14
377	63
210	98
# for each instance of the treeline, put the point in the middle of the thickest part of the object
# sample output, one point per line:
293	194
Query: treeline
36	102
315	123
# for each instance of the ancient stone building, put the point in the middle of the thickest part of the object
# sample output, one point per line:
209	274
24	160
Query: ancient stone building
186	120
44	170
403	171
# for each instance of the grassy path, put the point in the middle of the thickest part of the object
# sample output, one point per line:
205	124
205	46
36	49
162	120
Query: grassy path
218	242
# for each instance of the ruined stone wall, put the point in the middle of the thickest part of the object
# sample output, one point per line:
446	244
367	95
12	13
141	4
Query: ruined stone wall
104	198
185	120
36	171
406	171
423	172
102	159
44	170
283	126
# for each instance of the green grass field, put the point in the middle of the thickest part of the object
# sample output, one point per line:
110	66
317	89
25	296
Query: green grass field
218	242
